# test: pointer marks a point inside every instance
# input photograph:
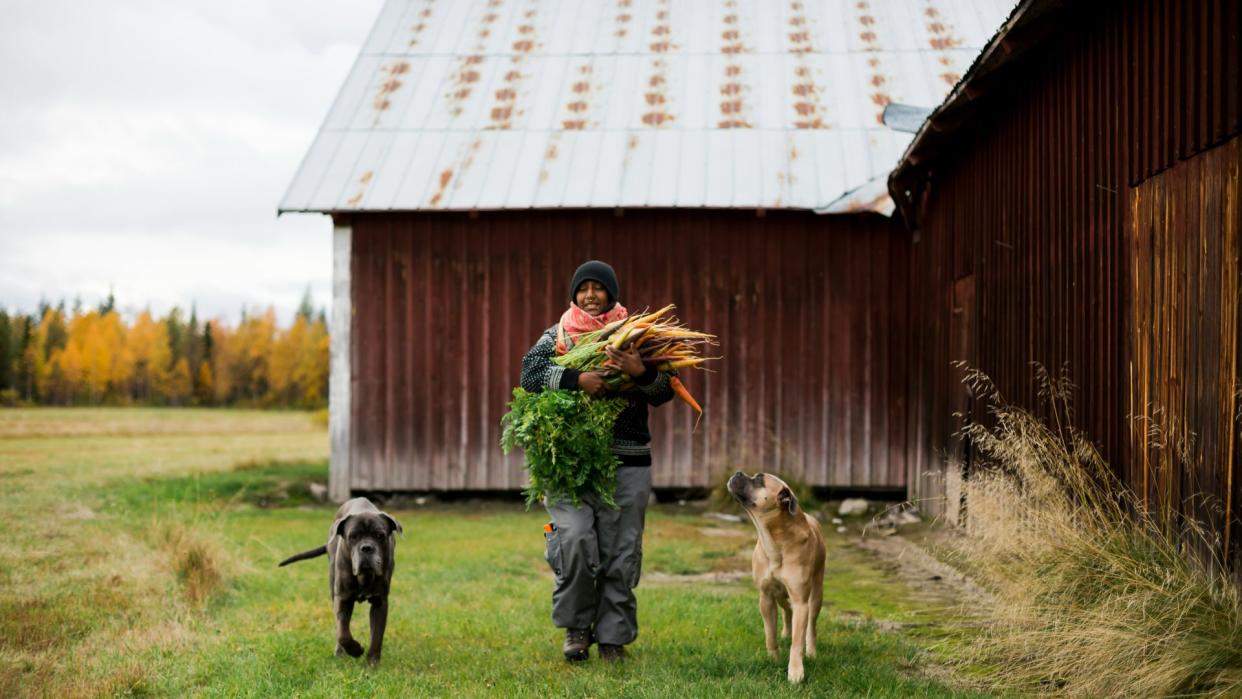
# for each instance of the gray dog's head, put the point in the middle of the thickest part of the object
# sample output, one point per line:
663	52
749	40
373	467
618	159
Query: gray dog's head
366	536
762	493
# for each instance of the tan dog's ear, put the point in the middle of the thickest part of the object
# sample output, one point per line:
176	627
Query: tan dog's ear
788	501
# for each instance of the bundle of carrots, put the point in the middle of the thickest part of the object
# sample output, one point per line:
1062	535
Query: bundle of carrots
658	337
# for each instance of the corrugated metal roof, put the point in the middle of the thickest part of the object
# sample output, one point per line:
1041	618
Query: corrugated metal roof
515	104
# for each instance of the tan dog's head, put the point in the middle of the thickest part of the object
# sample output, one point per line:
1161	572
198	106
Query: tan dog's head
762	493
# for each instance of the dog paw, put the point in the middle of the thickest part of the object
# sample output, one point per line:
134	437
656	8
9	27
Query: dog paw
351	648
772	652
796	674
373	660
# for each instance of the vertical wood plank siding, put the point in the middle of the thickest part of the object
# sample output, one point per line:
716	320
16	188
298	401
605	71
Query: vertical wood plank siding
1185	227
811	312
1033	201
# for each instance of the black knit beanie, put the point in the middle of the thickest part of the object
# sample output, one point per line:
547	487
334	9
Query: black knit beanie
598	271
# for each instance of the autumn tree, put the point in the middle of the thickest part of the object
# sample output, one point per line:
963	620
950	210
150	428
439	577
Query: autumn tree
149	356
92	356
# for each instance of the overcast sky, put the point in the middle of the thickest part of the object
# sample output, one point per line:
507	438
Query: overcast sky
144	146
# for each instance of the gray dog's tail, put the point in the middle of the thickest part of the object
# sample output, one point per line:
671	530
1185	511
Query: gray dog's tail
313	553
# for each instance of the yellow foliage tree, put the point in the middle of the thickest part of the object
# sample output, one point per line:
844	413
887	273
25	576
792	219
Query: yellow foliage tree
204	384
282	364
311	373
44	348
92	357
251	350
112	337
149	355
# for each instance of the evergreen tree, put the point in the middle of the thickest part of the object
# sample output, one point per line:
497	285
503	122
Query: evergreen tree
192	342
176	335
208	342
28	359
108	305
204	374
8	350
306	309
57	335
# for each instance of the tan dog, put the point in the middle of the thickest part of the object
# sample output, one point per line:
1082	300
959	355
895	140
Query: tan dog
788	563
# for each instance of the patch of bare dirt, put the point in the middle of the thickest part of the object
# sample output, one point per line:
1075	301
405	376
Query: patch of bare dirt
930	578
721	532
731	576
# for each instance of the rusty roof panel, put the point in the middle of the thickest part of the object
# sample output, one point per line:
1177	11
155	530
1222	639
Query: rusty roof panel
499	104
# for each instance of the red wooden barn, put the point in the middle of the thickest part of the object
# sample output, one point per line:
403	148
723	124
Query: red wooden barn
728	157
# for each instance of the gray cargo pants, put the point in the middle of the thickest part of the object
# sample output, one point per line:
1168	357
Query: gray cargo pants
597	555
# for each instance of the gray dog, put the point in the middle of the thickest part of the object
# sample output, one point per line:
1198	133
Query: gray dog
361	546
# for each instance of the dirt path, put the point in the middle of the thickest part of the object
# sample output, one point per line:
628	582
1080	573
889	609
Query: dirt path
930	578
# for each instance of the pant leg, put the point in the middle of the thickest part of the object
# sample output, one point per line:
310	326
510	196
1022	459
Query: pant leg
621	556
573	553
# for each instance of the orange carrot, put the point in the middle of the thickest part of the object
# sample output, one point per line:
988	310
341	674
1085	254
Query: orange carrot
680	389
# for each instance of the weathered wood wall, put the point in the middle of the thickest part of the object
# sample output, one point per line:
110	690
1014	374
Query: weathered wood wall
811	313
1030	211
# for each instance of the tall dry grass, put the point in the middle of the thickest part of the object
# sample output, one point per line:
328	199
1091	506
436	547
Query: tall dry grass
1093	595
194	557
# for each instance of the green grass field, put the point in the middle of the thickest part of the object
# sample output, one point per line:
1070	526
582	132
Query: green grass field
140	558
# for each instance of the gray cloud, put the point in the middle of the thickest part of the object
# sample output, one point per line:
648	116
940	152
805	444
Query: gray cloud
144	146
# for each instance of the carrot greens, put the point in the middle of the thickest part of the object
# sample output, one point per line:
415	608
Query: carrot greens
567	438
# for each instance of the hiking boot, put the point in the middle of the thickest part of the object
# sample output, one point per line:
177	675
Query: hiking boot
577	641
610	653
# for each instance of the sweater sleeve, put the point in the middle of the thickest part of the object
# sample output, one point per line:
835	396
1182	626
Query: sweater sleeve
540	372
655	387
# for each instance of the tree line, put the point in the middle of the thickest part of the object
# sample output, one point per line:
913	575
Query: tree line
95	357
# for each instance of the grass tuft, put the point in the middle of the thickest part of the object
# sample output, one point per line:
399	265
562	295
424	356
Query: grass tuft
1094	595
195	561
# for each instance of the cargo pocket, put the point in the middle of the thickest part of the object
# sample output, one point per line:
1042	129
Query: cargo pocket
552	548
636	563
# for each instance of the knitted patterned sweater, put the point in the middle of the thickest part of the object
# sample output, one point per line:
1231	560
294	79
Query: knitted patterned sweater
630	436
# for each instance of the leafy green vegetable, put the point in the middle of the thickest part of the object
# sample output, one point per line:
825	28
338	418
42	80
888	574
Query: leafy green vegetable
567	439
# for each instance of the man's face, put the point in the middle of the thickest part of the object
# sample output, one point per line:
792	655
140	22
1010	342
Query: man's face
591	297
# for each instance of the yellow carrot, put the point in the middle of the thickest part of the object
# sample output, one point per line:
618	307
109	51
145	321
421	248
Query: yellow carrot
688	361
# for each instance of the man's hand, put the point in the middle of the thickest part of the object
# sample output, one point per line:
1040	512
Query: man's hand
592	384
629	361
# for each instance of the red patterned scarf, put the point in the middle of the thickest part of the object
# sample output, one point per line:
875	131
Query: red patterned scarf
576	321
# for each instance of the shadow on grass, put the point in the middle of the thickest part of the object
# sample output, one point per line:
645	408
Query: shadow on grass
268	484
